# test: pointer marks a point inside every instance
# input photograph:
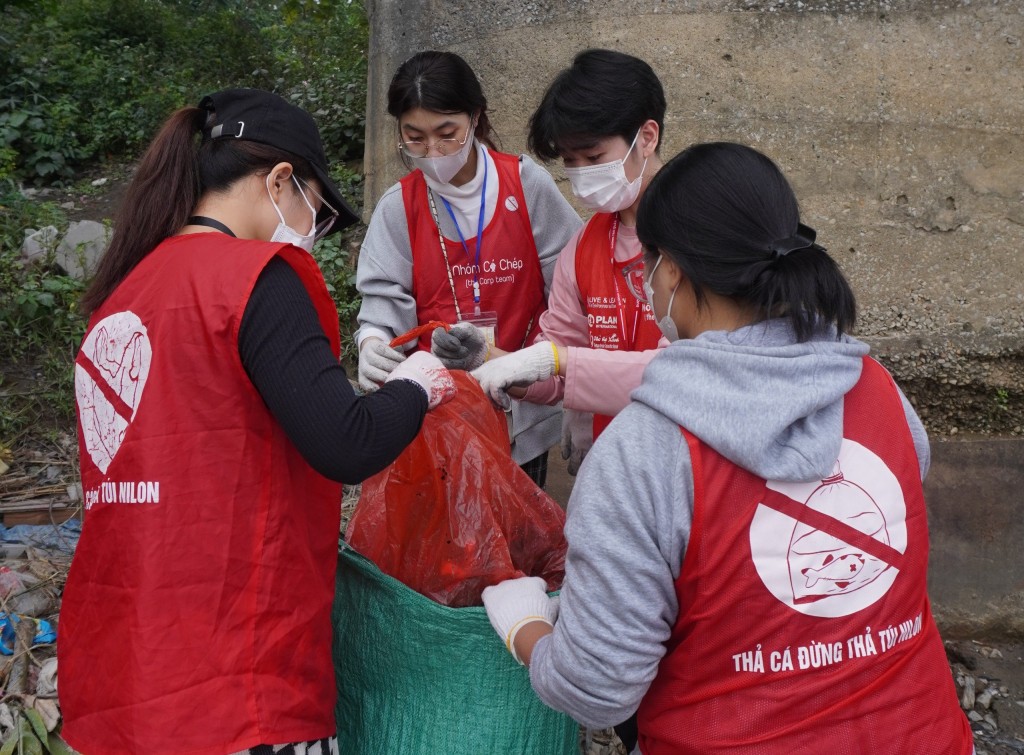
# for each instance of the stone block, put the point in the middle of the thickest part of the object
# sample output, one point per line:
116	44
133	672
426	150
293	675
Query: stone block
81	248
39	244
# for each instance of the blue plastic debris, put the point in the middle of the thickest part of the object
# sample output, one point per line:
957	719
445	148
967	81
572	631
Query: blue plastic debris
45	633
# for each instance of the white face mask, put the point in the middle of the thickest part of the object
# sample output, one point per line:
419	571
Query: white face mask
604	187
666	324
443	168
288	235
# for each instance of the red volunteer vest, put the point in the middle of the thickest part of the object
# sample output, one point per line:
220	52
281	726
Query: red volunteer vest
511	282
616	320
805	626
196	616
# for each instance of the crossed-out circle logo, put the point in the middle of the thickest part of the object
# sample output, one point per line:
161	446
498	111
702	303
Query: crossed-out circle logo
110	376
832	547
511	204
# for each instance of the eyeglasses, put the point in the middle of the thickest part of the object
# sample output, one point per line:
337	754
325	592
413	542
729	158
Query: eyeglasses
421	147
634	275
324	226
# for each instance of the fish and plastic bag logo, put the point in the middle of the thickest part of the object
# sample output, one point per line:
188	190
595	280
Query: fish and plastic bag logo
832	547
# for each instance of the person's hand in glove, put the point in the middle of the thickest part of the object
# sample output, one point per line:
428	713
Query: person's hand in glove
577	437
517	368
464	347
429	374
376	361
518	603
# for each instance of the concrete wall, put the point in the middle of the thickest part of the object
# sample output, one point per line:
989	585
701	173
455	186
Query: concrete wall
976	570
901	125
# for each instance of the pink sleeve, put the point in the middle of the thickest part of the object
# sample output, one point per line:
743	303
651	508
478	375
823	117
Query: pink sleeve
597	380
600	381
564	322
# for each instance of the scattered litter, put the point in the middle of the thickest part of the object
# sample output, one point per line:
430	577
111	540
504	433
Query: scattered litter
61	538
44	633
46	684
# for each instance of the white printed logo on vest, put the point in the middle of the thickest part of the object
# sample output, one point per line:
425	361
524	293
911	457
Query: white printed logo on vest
110	377
511	204
834	547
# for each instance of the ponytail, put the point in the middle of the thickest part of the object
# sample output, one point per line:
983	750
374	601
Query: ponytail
721	211
806	286
175	172
158	201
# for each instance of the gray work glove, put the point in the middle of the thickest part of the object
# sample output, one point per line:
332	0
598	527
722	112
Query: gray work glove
464	347
577	437
377	360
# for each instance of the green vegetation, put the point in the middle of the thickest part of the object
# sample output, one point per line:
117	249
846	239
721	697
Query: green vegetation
91	80
40	324
86	84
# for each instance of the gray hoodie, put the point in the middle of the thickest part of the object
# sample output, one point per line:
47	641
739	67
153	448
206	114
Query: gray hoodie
771	405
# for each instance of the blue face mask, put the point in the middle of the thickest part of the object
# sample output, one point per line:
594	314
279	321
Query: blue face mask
666	324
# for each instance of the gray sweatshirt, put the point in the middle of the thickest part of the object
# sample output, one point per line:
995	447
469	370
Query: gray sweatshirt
384	276
765	402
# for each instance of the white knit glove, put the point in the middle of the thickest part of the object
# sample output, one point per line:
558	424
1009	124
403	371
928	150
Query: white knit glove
464	347
376	361
519	368
514	603
577	437
429	374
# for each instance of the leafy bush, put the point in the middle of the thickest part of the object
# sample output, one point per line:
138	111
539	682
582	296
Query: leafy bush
321	66
39	320
88	82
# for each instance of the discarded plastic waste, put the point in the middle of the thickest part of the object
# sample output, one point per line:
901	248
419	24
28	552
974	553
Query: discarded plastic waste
44	633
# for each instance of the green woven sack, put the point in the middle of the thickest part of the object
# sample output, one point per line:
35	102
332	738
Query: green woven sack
415	677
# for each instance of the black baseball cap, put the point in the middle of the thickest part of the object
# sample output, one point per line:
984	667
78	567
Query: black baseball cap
260	116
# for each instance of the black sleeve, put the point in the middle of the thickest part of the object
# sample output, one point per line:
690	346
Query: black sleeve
343	436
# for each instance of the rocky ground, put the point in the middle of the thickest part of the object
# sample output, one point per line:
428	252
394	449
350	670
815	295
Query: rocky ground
990	680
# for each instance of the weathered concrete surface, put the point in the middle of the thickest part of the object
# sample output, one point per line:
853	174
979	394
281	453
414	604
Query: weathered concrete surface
900	124
975	494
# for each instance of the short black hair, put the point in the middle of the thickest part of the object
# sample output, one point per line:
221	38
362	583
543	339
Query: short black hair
444	83
716	210
603	93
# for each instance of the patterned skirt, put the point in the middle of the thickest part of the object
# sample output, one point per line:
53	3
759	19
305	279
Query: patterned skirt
314	747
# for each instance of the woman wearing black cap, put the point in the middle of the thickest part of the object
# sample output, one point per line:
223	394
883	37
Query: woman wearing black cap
216	426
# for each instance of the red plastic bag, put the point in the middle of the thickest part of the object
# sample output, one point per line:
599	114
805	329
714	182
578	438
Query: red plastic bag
454	514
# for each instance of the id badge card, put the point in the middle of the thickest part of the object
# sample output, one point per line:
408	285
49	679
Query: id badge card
486	321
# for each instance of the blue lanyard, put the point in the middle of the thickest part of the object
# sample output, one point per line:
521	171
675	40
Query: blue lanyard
479	231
